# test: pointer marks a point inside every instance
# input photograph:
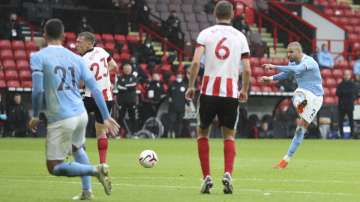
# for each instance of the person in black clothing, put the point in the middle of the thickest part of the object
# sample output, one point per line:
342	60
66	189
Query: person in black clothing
177	101
85	26
347	92
18	118
127	99
173	29
3	115
153	95
11	29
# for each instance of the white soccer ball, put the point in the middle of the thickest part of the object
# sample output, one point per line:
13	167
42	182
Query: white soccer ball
148	158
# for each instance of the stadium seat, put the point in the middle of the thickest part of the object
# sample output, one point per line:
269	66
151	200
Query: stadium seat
329	100
132	38
258	71
22	65
11	75
337	73
338	80
165	68
26	84
2	84
2	76
5	44
25	75
116	57
6	54
107	37
120	38
70	36
326	73
124	57
109	46
9	64
13	84
332	91
330	82
266	89
17	45
326	91
255	88
254	61
20	54
30	45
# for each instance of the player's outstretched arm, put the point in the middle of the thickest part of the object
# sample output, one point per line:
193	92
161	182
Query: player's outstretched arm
246	74
37	90
194	70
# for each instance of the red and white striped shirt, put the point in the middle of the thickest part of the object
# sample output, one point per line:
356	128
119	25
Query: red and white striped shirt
97	60
224	47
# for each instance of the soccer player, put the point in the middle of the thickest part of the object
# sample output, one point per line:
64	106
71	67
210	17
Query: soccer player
100	63
224	48
308	97
56	73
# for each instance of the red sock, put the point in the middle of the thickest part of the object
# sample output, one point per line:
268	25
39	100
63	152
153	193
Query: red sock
102	148
229	155
203	149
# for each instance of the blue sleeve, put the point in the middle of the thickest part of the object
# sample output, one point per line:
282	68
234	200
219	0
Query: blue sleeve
280	76
91	83
37	84
294	68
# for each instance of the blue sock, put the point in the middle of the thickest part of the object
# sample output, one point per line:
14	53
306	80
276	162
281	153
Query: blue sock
296	141
80	156
73	169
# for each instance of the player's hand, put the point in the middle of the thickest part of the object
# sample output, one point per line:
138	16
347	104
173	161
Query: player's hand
112	125
190	93
268	66
33	124
266	79
243	96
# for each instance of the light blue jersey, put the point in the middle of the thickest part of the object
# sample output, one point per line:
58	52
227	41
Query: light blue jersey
56	75
306	73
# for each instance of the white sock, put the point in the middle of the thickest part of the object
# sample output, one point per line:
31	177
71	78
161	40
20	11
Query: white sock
286	158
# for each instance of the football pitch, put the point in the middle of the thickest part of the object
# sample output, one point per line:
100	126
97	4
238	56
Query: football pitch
322	170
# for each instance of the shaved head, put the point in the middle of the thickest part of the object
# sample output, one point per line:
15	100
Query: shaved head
294	51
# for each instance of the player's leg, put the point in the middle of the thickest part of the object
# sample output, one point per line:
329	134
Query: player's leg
78	139
101	131
80	156
228	116
207	113
341	116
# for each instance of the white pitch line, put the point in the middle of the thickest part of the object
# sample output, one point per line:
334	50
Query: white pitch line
263	191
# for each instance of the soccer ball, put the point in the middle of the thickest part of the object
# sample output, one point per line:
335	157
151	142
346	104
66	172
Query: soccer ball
148	158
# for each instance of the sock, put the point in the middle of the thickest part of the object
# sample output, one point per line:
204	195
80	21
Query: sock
102	143
74	169
81	157
203	150
296	141
229	154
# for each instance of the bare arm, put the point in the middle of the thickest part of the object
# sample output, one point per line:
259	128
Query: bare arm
246	74
112	65
194	70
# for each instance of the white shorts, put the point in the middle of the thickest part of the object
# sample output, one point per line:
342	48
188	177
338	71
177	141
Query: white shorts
314	103
63	134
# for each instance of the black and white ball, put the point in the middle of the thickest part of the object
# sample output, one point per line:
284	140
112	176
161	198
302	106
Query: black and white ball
148	158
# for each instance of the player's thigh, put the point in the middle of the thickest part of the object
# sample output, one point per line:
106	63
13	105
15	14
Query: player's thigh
78	134
228	112
207	110
59	140
311	109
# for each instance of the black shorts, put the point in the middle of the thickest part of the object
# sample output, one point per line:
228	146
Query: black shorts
91	106
224	107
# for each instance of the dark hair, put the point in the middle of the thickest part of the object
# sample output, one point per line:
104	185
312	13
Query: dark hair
88	37
54	29
223	10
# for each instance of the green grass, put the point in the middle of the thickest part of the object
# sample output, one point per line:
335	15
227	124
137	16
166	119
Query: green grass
320	171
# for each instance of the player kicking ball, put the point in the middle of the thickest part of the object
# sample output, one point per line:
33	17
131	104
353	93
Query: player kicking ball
56	74
307	98
224	48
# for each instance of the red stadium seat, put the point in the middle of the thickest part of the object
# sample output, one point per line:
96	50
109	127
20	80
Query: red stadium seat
9	65
116	57
13	84
132	38
5	44
338	80
325	73
124	56
2	84
11	75
25	75
330	82
253	80
258	71
342	64
120	38
6	54
98	37
17	45
2	76
107	37
20	54
100	44
165	68
337	73
26	84
70	36
326	91
254	61
31	45
332	91
329	100
110	46
265	61
22	65
255	88
266	89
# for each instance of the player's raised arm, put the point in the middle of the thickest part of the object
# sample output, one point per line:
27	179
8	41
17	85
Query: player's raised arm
194	70
112	65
